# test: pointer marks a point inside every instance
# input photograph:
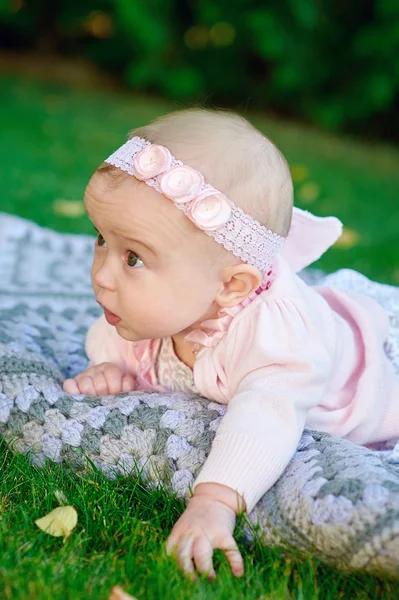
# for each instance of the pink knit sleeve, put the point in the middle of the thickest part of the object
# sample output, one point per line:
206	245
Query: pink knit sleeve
277	367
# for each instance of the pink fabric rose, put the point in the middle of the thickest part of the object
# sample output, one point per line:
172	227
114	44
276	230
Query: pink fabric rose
182	184
151	161
209	210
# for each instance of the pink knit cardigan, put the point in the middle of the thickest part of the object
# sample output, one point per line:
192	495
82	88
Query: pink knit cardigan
294	356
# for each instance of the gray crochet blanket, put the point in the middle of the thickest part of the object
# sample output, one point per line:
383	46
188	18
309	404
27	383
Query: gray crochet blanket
335	500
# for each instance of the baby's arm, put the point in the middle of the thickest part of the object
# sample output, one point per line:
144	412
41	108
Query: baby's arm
274	381
108	371
254	443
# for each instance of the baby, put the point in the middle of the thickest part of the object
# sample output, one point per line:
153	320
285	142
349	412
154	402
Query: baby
195	268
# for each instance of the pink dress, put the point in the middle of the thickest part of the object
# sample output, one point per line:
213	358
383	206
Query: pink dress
290	356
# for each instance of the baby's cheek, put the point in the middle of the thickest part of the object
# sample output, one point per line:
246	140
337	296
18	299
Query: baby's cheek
94	286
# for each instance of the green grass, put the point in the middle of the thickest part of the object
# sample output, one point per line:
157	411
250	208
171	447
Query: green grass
52	139
119	540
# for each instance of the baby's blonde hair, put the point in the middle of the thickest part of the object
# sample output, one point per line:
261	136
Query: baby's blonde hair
233	156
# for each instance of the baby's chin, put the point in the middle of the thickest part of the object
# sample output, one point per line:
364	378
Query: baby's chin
127	333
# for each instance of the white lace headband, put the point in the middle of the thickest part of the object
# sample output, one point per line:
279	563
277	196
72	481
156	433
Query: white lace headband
206	207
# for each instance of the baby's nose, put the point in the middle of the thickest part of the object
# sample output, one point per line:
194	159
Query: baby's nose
103	276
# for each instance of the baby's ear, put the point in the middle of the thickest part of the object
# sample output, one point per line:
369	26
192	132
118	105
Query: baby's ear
238	282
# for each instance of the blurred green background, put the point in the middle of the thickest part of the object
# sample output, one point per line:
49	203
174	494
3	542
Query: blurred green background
331	62
320	77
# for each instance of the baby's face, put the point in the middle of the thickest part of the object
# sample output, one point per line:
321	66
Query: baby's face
152	267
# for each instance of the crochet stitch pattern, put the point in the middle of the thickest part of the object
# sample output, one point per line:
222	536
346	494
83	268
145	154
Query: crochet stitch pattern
335	500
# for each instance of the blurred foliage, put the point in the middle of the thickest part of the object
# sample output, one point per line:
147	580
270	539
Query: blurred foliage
332	62
53	137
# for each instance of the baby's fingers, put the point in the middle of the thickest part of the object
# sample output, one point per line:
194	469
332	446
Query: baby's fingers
128	383
113	376
100	384
86	386
70	387
182	550
234	557
185	557
80	385
203	553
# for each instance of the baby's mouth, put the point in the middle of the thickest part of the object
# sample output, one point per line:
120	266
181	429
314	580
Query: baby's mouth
110	317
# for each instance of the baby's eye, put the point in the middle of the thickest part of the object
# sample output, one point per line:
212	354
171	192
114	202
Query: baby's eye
100	241
133	260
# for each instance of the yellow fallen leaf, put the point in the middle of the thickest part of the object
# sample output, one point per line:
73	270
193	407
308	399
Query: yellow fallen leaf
348	239
69	208
117	593
59	522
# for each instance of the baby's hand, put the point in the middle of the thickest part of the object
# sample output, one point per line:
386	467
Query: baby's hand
100	380
207	523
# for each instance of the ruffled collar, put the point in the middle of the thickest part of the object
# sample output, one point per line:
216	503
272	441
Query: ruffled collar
309	237
210	332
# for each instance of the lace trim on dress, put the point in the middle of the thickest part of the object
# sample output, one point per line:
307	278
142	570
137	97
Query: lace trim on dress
173	374
211	331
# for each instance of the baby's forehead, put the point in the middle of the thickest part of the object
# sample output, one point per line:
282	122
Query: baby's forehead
129	206
123	196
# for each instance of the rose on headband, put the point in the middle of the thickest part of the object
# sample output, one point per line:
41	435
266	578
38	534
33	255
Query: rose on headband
151	161
209	210
182	184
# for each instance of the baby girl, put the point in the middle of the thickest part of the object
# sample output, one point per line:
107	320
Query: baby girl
195	268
